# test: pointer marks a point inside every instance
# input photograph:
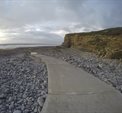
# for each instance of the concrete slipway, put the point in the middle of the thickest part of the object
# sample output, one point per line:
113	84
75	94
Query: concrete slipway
72	90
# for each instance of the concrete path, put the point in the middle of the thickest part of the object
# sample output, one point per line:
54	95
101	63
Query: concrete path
72	90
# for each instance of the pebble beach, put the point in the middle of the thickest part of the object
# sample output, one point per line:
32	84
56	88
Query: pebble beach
24	79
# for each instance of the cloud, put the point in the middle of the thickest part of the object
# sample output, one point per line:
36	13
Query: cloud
34	20
17	13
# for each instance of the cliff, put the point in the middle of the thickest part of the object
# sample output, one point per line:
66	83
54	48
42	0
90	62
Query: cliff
105	43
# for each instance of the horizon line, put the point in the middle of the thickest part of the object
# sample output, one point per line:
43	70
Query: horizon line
27	44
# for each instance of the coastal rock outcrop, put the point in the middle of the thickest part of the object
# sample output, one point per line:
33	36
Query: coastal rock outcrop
105	43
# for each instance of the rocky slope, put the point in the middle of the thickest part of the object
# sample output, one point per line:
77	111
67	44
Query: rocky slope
23	84
106	43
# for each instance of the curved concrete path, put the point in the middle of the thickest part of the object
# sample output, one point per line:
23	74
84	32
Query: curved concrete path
72	90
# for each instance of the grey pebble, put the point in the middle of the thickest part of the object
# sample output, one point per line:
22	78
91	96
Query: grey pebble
40	101
17	111
21	82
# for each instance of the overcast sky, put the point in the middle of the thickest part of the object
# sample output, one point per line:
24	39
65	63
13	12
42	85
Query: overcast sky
47	21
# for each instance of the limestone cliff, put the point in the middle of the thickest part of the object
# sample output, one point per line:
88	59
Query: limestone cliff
106	43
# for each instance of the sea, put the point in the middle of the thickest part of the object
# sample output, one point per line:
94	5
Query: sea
12	46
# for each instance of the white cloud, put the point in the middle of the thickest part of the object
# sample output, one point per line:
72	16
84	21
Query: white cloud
41	20
60	32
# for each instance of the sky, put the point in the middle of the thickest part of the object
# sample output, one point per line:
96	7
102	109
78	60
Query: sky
47	21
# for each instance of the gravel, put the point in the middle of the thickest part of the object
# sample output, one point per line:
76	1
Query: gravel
23	84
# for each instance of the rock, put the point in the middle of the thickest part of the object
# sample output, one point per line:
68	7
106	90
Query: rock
35	110
40	101
11	106
99	66
17	111
2	96
10	99
45	81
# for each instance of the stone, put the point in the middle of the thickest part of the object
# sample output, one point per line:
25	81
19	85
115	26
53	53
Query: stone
35	110
40	101
17	111
2	96
11	105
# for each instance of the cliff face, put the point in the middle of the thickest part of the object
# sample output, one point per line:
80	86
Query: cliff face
106	43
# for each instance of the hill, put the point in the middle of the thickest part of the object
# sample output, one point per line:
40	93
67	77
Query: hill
105	43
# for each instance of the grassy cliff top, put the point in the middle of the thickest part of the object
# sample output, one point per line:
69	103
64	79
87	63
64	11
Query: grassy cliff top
110	31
